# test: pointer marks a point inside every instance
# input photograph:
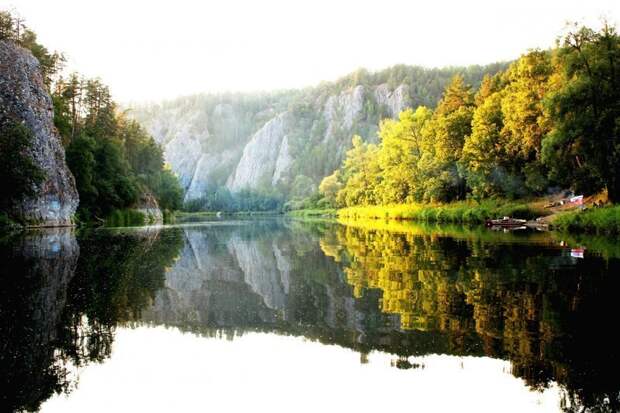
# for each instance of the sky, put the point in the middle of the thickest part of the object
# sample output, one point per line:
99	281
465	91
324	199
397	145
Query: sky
148	50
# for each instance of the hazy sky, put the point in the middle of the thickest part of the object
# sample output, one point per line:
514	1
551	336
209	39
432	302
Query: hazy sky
153	49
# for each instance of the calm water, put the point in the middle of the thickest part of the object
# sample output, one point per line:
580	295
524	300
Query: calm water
279	315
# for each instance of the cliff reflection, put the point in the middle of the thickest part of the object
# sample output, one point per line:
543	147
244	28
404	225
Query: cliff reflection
520	298
407	290
60	303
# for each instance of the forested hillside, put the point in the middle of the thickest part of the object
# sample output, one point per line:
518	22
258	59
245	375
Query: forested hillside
116	164
256	151
552	119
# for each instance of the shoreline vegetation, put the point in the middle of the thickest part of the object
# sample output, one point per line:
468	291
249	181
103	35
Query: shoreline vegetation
606	246
548	124
600	221
118	167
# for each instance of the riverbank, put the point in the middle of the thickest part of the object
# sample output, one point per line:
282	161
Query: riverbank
602	220
465	212
314	213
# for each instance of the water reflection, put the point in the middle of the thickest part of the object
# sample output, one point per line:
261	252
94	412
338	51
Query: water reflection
58	311
406	290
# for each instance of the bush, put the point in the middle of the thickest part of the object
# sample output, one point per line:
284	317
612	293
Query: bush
605	221
125	218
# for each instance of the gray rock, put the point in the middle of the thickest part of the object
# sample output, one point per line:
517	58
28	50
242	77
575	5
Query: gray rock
283	162
206	167
396	101
265	154
260	155
340	112
24	99
148	206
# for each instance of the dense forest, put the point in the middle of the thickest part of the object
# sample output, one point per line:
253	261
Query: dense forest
115	162
291	139
551	119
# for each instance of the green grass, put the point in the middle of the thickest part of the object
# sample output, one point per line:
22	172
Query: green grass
125	218
604	221
313	213
467	212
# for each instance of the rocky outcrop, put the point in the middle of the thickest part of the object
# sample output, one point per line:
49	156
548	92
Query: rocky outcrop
208	165
24	99
258	145
341	111
148	206
283	162
396	101
258	162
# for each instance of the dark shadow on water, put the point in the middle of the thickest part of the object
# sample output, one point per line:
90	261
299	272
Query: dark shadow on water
60	303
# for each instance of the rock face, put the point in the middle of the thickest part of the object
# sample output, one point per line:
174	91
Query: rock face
255	145
147	205
24	99
263	144
340	111
260	156
395	101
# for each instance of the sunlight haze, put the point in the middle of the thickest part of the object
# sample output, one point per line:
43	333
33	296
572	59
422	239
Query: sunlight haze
249	45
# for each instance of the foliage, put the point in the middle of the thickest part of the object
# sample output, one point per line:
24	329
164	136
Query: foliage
583	147
604	220
112	157
314	213
317	140
13	29
125	218
19	174
329	187
552	118
457	212
223	200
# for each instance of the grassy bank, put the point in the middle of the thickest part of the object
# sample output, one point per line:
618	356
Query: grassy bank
467	212
125	218
314	213
604	221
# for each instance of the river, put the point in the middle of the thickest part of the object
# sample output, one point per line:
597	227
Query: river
280	315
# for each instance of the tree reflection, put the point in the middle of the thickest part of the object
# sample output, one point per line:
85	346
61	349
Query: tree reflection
58	311
408	291
534	305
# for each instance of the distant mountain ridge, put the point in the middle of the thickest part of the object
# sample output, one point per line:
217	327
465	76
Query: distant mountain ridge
286	141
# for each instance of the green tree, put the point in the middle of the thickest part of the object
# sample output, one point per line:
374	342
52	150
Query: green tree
329	187
583	148
399	156
168	191
360	172
443	139
484	149
19	174
80	155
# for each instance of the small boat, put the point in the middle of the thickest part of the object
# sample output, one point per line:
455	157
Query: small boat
506	222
